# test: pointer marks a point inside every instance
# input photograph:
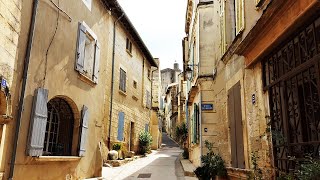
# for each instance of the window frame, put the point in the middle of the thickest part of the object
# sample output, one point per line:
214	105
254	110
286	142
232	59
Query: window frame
129	46
84	31
123	80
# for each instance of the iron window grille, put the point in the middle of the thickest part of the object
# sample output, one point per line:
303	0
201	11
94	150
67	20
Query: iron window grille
291	76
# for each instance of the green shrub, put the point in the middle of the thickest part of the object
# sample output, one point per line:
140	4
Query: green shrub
310	169
116	146
181	133
145	141
213	165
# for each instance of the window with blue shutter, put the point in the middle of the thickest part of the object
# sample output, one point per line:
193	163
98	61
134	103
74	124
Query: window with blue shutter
120	126
146	128
83	130
81	48
38	122
96	62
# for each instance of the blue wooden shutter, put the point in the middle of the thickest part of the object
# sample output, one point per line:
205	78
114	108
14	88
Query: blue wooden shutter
38	123
83	130
80	48
120	126
96	62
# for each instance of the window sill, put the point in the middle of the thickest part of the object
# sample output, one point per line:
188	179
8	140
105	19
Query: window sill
87	80
135	98
56	158
232	49
122	93
130	53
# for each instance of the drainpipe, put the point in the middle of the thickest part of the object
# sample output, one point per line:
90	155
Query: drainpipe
23	87
112	77
200	122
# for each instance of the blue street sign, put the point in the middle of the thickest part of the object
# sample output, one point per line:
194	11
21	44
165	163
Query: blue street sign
205	107
4	83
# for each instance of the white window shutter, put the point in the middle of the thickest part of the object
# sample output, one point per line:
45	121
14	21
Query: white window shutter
83	130
80	48
38	123
96	62
239	16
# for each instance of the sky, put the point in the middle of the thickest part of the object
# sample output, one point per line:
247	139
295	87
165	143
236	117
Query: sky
160	24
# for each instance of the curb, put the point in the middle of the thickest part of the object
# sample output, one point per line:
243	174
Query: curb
187	170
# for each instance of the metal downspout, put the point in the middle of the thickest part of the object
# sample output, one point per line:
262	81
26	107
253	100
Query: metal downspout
112	77
23	87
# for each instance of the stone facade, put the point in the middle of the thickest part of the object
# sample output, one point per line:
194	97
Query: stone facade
169	76
77	95
241	105
10	22
132	102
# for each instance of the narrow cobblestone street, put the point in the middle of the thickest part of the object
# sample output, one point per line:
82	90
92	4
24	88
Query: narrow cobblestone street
159	165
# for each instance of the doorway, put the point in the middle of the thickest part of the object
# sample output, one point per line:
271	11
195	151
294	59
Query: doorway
131	143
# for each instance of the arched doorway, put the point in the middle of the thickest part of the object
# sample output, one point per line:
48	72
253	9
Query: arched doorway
59	129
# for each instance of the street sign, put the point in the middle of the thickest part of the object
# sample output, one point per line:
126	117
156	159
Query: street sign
3	83
206	107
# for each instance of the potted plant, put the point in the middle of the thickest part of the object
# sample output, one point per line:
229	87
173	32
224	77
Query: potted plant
145	141
213	165
117	147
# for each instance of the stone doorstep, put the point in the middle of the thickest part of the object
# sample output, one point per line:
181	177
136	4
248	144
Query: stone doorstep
117	163
188	167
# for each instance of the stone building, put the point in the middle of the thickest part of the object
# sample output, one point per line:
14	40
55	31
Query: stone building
201	24
171	109
181	95
129	109
169	76
65	54
156	121
10	23
264	78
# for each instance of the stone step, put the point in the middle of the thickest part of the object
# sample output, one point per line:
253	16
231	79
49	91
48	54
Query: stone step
188	168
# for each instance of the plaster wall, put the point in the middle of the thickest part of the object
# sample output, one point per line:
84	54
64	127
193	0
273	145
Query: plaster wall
208	26
56	73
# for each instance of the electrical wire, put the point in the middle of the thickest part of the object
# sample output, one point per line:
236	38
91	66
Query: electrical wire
51	41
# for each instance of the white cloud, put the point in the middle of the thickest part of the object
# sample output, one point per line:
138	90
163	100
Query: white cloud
160	23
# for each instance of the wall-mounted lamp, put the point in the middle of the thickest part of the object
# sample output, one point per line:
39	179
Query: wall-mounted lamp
189	71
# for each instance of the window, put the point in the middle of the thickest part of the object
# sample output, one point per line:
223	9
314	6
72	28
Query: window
51	127
58	136
195	124
120	126
123	78
88	3
129	46
135	84
88	53
231	21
